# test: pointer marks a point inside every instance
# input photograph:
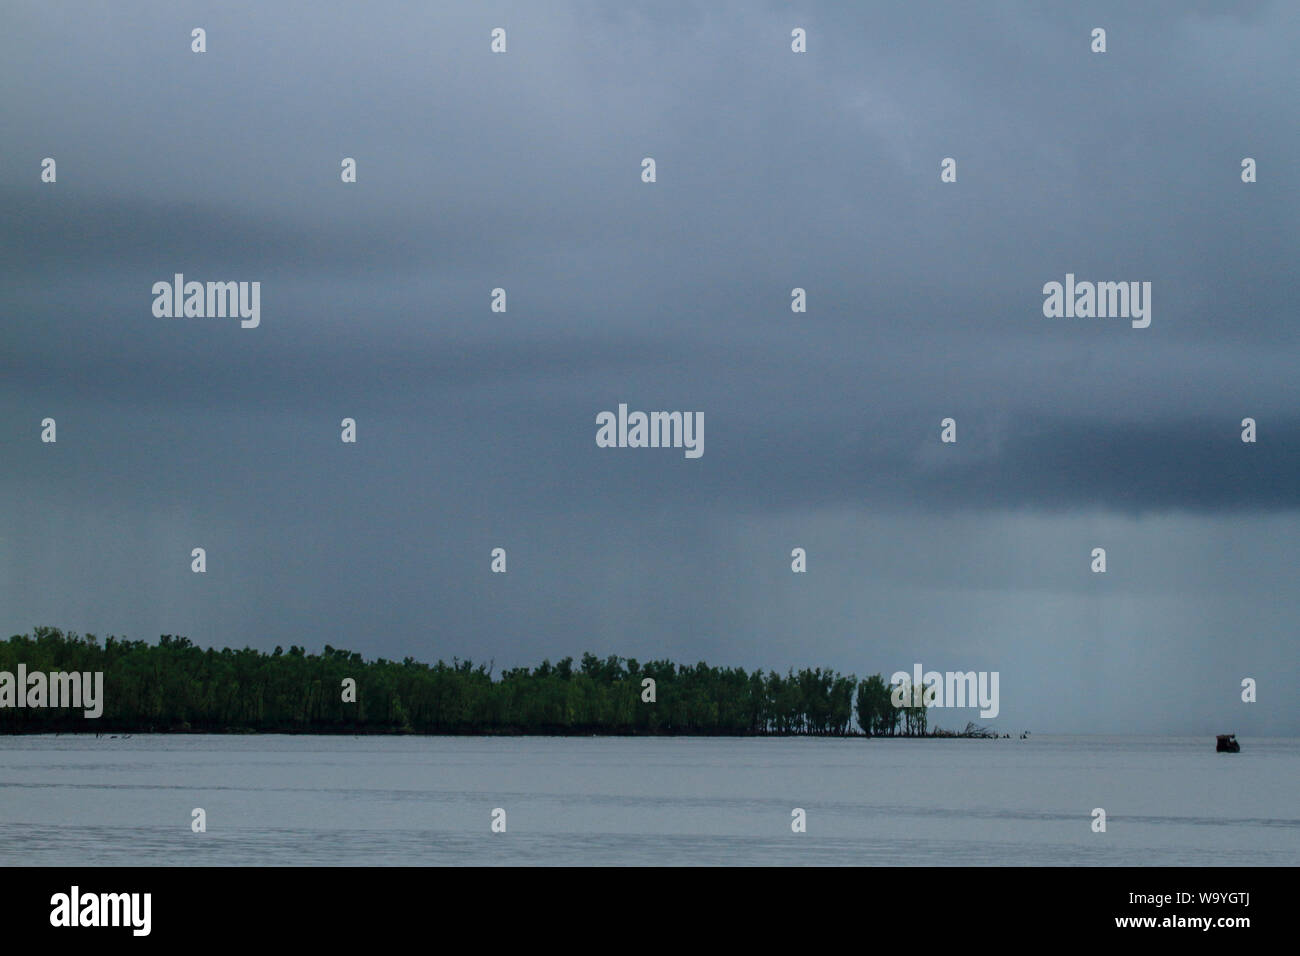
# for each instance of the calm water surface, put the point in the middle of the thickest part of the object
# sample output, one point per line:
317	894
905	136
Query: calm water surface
284	800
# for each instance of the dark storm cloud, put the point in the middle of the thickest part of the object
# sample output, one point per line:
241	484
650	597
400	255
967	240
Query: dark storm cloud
522	171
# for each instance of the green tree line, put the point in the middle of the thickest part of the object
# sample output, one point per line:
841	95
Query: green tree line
176	686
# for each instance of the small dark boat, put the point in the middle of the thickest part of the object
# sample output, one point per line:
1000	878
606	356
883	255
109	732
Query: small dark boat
1227	744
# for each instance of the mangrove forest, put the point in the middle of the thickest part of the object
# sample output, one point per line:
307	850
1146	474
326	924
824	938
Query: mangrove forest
176	686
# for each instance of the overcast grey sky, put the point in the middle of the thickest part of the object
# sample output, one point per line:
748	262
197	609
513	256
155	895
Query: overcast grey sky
775	170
